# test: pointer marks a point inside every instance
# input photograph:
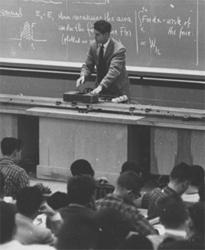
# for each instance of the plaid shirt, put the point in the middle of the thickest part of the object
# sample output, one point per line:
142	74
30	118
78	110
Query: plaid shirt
155	195
15	177
113	201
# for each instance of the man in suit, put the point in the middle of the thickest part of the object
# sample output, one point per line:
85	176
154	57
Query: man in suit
112	78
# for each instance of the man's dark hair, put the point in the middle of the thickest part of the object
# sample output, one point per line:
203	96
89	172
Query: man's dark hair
80	189
81	166
7	222
9	144
131	181
197	173
131	166
172	211
102	26
181	172
29	200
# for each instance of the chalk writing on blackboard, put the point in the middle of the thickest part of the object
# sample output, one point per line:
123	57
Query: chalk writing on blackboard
27	34
43	1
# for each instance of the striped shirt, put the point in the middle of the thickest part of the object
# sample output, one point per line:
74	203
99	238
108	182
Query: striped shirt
155	195
15	177
139	222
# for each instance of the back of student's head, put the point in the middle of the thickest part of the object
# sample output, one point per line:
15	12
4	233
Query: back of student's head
172	211
114	228
58	200
102	26
81	166
181	172
131	181
197	173
131	166
29	200
80	189
9	144
7	222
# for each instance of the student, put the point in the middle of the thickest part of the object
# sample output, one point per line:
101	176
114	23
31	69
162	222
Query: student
8	230
192	193
82	166
112	78
126	191
29	202
78	231
16	177
180	178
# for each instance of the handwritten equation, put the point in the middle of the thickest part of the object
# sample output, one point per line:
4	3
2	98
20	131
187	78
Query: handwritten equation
146	30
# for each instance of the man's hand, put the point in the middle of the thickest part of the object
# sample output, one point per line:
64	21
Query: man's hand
97	90
80	81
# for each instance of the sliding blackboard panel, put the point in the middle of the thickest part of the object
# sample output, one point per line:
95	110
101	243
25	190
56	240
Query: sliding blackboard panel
167	34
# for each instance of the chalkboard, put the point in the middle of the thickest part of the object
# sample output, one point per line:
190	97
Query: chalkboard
158	34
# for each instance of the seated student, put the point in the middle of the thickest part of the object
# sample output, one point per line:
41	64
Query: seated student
16	177
174	218
180	178
8	230
114	227
80	192
2	184
191	194
103	186
29	202
78	232
127	190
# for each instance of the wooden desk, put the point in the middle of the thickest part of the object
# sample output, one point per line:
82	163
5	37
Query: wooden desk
103	137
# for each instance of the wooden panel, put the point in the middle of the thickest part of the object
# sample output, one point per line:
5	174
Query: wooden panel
172	146
198	148
163	150
63	141
8	125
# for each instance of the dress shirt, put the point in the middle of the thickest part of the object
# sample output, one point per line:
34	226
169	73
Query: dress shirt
15	177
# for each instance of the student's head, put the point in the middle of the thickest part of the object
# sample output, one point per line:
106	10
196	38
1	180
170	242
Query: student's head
81	166
7	222
181	177
197	173
131	166
172	212
78	232
81	189
2	184
102	31
12	147
114	227
29	200
58	200
129	185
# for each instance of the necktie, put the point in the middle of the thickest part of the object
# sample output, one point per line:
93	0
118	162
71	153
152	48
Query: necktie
101	65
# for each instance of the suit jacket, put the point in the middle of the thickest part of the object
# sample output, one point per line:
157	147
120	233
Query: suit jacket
28	233
116	78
